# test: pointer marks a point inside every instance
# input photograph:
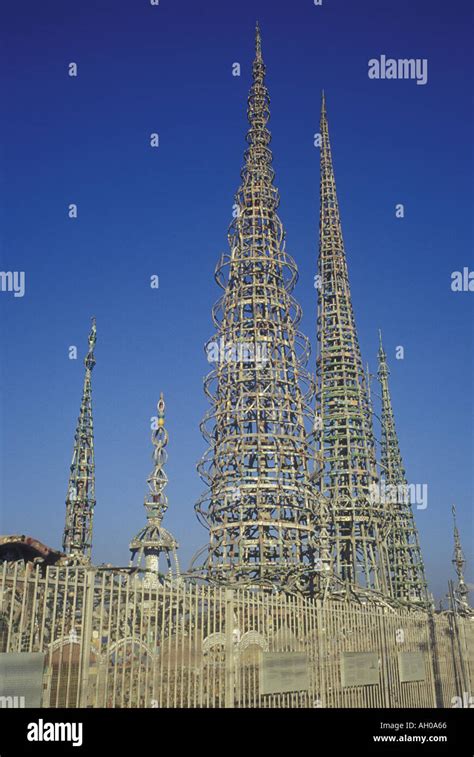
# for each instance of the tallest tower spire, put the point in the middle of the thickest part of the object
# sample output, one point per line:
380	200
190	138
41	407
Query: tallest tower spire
345	444
260	505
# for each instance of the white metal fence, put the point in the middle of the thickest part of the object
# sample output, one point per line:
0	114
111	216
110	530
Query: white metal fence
111	641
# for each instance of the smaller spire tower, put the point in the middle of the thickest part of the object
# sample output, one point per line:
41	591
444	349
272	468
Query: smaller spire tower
153	540
461	591
80	501
405	563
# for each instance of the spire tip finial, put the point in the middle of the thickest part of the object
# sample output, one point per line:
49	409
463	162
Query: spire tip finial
89	360
161	406
258	41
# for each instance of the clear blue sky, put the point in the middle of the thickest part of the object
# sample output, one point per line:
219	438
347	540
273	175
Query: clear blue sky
168	69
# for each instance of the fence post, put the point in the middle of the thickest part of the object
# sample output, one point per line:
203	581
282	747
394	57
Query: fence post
321	660
229	649
86	635
463	653
432	643
463	621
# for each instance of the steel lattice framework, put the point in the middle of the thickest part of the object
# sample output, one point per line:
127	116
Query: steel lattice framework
355	524
260	505
408	580
154	541
80	501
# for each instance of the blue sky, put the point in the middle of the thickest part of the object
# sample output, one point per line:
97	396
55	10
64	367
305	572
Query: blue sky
165	211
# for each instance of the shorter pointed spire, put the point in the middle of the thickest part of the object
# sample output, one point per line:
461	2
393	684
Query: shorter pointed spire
383	370
462	590
405	563
153	540
80	501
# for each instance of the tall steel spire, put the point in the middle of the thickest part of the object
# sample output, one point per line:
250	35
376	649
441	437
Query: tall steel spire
346	447
461	590
80	502
260	505
153	540
408	582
